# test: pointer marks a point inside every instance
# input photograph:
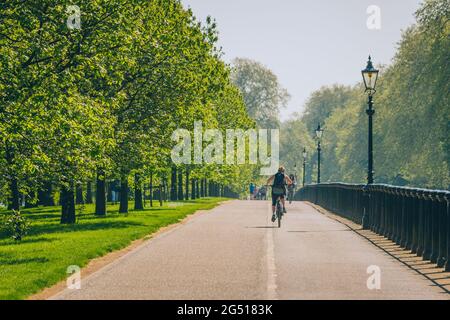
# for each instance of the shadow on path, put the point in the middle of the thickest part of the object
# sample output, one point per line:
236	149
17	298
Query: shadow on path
262	227
317	231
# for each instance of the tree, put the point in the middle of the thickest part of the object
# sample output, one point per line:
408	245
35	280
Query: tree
102	101
263	95
411	131
293	138
323	102
46	68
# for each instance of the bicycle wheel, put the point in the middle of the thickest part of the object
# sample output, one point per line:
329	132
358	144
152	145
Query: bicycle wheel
279	214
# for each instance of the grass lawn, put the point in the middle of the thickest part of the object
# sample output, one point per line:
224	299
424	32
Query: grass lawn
41	259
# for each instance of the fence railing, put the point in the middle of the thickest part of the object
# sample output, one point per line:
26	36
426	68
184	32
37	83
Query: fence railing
416	219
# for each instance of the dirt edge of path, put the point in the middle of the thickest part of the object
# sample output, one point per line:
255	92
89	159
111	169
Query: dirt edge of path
98	263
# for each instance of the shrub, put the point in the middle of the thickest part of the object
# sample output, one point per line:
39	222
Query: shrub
15	225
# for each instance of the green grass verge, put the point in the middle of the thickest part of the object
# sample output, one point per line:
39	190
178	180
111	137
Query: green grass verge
41	259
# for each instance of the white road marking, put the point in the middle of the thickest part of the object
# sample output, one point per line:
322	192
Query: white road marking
270	256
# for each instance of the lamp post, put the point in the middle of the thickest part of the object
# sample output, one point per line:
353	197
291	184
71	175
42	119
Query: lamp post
370	77
304	166
319	134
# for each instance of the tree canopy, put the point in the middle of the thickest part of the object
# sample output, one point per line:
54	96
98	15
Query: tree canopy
101	101
412	118
263	95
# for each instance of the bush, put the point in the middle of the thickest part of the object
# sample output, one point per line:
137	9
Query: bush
15	225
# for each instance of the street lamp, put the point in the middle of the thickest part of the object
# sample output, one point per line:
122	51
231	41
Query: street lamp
319	134
304	166
370	77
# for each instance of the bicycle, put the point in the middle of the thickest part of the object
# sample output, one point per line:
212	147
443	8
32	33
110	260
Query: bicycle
279	211
290	195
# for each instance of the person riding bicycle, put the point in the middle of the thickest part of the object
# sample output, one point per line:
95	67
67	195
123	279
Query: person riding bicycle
291	187
279	182
263	192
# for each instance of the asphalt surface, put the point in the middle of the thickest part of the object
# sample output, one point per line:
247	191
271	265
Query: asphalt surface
235	252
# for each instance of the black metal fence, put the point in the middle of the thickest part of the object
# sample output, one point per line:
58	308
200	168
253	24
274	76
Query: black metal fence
415	219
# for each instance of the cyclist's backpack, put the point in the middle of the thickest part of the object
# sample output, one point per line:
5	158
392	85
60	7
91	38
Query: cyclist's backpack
278	184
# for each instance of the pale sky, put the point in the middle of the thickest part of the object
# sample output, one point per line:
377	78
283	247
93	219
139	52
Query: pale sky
307	43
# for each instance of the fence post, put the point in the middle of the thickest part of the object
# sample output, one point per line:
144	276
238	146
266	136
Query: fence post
367	218
397	212
447	258
389	212
434	228
421	208
443	232
427	226
402	242
415	221
382	210
407	219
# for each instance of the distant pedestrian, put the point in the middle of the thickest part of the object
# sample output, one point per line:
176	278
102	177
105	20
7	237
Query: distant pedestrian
255	193
263	193
252	189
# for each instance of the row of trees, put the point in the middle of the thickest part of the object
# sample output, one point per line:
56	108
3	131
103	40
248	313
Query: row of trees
100	102
412	119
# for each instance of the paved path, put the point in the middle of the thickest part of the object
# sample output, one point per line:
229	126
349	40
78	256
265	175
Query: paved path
233	252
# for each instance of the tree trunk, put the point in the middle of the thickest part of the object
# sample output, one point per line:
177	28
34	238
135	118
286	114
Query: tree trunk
67	205
14	200
193	193
123	208
89	192
79	194
197	189
180	185
151	189
100	194
187	185
173	185
163	188
160	196
144	194
166	189
45	196
109	197
202	188
138	205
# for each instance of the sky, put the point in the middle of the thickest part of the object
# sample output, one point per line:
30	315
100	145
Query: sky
309	43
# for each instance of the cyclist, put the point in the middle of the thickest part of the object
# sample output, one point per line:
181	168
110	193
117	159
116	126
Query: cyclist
291	188
279	182
263	192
